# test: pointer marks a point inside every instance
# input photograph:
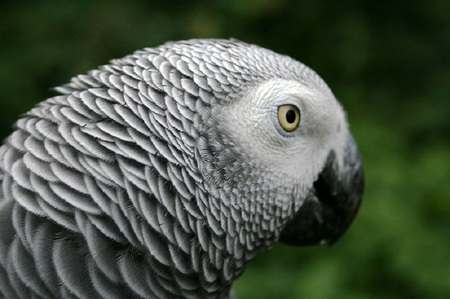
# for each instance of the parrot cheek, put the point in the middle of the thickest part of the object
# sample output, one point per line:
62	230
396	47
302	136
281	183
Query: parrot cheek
331	205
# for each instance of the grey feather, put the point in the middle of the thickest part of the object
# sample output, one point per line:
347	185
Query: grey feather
126	184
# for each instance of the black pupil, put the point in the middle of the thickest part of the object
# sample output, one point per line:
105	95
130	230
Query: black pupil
290	116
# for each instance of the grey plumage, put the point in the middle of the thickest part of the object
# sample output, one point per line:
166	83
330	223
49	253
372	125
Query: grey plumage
133	183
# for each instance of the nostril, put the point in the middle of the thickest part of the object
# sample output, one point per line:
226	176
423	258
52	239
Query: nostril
327	184
327	190
323	191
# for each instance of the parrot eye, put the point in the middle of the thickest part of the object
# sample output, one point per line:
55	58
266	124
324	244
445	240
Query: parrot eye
288	117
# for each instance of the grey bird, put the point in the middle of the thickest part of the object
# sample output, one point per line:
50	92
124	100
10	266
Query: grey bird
161	174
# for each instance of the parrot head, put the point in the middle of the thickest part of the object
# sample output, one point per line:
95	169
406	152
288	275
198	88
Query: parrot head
278	152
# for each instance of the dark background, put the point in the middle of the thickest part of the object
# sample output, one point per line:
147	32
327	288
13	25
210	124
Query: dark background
386	61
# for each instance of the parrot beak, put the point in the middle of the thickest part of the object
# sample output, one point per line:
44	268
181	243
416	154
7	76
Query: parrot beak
332	203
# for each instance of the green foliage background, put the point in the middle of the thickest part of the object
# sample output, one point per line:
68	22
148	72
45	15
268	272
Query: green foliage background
388	63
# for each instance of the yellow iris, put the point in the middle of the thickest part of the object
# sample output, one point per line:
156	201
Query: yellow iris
288	117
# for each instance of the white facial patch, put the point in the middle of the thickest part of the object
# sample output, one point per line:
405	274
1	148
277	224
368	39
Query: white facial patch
296	156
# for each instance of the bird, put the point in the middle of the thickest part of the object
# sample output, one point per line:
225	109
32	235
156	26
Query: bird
163	173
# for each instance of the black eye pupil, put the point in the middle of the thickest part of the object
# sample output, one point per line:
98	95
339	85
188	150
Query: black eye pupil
290	116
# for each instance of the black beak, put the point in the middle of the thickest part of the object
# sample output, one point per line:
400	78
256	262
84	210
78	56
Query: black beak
332	203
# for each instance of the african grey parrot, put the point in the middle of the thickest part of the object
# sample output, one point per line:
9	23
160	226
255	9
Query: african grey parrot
161	174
